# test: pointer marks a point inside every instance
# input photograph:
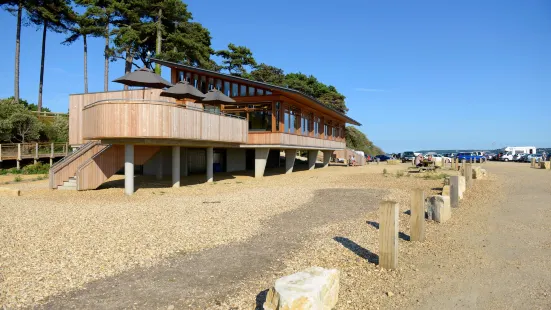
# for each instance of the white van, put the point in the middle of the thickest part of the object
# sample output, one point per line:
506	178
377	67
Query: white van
511	151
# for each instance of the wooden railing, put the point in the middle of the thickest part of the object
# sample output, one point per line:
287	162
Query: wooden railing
120	119
292	140
19	151
67	167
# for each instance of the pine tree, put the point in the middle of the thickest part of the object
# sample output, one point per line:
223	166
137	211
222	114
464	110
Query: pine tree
236	59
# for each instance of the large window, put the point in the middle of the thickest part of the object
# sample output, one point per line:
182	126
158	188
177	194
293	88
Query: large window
234	90
243	91
292	120
316	126
326	130
260	117
277	111
305	124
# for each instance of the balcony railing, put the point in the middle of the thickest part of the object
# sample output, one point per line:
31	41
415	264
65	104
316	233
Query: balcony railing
135	118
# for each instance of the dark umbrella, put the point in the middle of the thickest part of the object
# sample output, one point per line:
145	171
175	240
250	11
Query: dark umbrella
143	77
215	96
183	90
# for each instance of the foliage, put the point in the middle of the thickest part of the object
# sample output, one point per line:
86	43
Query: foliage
357	140
38	168
268	74
399	173
236	59
385	171
17	178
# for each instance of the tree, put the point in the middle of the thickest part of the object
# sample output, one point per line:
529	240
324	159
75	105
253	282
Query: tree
17	123
16	7
268	74
82	27
334	100
236	59
51	15
101	14
357	140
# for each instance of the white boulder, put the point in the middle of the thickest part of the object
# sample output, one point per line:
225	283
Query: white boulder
439	208
313	288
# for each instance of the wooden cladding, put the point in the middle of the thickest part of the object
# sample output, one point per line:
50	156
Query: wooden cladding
291	140
143	119
79	101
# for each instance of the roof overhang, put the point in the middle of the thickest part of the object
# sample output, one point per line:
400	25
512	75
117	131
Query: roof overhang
292	93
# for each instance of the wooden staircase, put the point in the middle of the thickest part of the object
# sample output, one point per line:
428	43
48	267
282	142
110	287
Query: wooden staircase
93	164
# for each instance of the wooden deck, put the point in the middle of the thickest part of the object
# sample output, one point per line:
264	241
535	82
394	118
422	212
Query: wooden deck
19	151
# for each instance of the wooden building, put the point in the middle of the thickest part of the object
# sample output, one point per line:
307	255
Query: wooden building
112	130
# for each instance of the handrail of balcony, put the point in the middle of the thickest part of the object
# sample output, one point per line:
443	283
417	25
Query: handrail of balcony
163	102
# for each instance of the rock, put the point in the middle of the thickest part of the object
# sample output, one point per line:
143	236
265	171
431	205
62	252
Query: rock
171	307
438	208
389	294
313	288
446	190
5	191
545	164
462	186
479	173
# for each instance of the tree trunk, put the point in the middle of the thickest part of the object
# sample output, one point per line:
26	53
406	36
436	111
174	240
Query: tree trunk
17	53
106	53
127	64
159	39
41	82
85	63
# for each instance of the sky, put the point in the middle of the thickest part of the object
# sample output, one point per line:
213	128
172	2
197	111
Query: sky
417	74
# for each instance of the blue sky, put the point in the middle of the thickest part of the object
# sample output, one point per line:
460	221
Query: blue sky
416	74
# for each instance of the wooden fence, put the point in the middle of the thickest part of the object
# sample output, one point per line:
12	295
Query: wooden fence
19	151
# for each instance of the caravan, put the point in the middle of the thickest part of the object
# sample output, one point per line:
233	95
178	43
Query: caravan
511	151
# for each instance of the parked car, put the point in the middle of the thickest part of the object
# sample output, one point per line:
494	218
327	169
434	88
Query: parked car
408	156
491	156
383	157
538	157
468	156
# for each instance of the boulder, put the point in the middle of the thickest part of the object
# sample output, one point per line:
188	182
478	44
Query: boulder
462	186
5	191
313	288
446	190
438	208
479	173
545	164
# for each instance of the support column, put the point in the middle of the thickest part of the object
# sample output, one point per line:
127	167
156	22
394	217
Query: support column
290	156
260	158
210	162
129	169
185	169
159	172
18	156
175	166
326	158
312	159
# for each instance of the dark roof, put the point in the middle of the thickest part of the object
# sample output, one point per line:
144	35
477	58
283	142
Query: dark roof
252	82
183	89
216	96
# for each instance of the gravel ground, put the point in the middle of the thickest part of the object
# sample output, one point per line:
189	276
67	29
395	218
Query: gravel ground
57	241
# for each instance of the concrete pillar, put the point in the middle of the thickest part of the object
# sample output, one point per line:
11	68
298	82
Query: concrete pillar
159	172
290	156
260	158
312	159
326	158
175	166
210	162
129	169
185	169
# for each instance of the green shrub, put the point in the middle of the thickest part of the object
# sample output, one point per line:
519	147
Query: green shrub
38	168
4	171
385	172
17	178
434	176
399	173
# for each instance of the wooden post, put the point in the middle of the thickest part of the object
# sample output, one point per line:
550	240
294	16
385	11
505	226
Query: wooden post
66	148
388	235
36	152
468	175
463	164
454	191
52	154
417	220
0	153
532	162
18	156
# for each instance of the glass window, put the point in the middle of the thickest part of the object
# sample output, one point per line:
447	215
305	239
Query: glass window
219	84
277	104
252	91
180	76
226	88
259	92
286	121
268	92
316	127
204	86
234	90
292	120
325	130
188	77
243	91
195	81
260	118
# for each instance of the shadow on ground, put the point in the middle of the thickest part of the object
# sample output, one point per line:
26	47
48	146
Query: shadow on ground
401	235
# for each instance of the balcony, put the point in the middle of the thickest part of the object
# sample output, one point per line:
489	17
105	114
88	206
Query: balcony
289	140
113	119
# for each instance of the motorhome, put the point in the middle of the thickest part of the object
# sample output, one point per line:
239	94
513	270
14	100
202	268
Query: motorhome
511	151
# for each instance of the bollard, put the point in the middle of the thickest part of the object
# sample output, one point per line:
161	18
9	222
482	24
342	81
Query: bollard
463	163
468	175
454	191
532	162
417	220
388	235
